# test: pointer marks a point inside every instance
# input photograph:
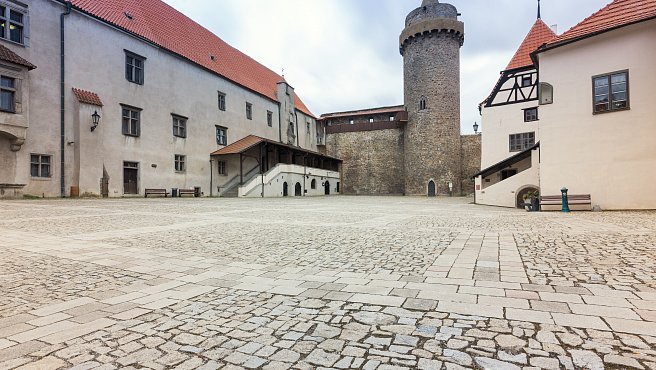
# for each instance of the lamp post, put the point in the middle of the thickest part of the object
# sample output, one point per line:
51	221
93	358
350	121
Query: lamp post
476	126
95	120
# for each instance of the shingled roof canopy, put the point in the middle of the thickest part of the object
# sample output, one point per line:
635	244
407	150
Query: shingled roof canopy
250	141
87	97
164	26
619	13
9	56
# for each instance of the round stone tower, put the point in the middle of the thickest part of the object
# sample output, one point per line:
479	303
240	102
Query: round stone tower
430	45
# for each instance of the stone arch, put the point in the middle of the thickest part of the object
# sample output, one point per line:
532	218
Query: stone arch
519	198
326	187
431	188
298	190
285	189
313	184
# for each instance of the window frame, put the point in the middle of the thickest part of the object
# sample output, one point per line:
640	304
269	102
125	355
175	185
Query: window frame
128	131
22	25
222	168
521	141
526	81
249	111
269	118
222	101
423	103
11	90
526	113
609	77
224	130
132	68
40	165
180	163
181	126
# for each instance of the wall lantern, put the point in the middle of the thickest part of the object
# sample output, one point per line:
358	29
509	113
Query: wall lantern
95	120
476	126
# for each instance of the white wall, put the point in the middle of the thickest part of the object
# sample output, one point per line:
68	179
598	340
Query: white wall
96	62
504	193
610	156
272	182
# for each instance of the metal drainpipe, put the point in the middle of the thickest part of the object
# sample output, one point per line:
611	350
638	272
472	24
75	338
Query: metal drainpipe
62	124
280	121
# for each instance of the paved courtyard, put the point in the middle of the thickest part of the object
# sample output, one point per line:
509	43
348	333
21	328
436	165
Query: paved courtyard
340	282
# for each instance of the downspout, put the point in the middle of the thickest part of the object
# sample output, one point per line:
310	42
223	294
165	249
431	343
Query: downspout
62	124
211	177
280	121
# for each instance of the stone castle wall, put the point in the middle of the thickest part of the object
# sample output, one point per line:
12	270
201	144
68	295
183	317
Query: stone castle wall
471	161
373	161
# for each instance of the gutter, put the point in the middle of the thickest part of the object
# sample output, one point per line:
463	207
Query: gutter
62	123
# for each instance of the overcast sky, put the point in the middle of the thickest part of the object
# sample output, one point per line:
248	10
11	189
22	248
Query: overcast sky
343	54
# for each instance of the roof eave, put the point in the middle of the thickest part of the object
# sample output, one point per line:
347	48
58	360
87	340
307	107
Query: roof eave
510	160
547	47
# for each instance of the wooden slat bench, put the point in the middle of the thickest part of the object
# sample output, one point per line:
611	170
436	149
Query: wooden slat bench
574	200
163	192
182	192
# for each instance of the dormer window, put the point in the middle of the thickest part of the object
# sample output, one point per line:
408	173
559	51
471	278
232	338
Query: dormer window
422	103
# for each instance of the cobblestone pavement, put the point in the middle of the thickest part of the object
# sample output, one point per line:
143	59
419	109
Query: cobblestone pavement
338	282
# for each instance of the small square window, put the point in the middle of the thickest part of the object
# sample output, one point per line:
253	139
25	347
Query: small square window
223	169
40	165
351	121
249	111
391	118
222	101
131	121
270	118
527	81
371	119
179	126
134	67
221	135
531	114
180	165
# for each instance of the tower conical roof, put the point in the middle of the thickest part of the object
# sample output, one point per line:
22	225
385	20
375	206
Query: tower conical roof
539	34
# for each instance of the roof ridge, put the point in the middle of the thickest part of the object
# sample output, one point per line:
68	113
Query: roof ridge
539	34
365	110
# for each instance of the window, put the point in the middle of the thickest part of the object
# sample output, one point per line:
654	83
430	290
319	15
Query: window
270	118
523	141
351	121
391	118
307	127
7	94
527	81
313	184
249	111
221	135
505	174
179	126
222	101
371	119
180	165
222	168
291	128
134	67
39	165
131	121
12	23
422	103
531	114
611	92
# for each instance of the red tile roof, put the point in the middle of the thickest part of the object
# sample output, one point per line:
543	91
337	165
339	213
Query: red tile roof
539	34
241	146
87	97
394	109
166	27
9	56
617	14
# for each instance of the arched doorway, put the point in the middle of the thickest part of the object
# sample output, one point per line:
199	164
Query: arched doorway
327	188
313	184
432	190
523	192
297	190
285	190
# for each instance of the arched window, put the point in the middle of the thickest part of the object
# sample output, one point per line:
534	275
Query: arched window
313	184
422	103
